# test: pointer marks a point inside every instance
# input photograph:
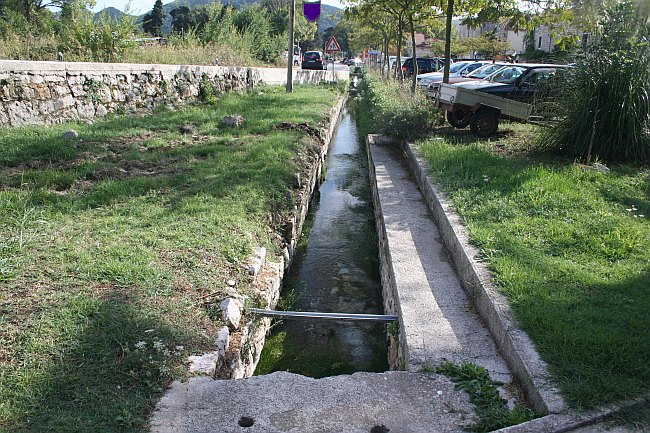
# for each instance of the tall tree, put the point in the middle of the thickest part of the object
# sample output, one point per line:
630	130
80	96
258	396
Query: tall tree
379	22
153	21
278	12
181	19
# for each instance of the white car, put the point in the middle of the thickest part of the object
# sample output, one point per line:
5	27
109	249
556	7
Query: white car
458	69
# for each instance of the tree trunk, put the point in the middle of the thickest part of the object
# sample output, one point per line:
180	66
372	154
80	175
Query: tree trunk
593	128
27	10
400	34
386	73
450	13
414	80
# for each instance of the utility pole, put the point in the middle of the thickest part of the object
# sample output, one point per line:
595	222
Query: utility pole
292	19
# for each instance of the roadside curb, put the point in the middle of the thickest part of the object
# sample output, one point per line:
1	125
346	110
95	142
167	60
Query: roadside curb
515	346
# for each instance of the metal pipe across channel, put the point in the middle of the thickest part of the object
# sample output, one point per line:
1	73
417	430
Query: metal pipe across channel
327	316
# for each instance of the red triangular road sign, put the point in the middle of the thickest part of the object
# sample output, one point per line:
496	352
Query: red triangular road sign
332	46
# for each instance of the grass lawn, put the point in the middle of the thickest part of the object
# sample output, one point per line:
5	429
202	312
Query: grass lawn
569	247
113	244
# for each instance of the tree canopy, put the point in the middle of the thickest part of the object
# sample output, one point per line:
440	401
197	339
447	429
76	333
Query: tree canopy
153	21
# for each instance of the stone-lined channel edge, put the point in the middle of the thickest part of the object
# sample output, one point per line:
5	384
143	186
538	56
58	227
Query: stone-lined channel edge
35	92
239	345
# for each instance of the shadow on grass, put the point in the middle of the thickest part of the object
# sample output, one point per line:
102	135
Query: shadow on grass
84	371
596	338
622	197
472	166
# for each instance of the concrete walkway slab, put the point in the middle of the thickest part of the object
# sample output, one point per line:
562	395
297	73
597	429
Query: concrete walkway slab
289	403
437	320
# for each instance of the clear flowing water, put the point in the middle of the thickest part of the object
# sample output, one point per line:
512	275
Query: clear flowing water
336	270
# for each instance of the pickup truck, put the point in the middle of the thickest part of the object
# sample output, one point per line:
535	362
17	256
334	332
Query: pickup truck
480	110
510	92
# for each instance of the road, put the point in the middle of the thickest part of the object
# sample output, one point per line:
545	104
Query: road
337	66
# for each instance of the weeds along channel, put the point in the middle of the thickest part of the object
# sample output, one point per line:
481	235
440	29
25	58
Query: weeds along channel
336	269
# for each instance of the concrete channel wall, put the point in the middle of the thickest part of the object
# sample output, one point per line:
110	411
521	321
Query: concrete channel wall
56	92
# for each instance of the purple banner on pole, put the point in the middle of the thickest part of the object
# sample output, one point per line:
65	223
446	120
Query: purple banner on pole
311	10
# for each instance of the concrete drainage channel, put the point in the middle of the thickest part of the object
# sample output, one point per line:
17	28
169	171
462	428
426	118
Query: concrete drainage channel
333	288
423	251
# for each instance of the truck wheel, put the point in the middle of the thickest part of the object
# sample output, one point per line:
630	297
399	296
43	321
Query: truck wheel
484	122
459	118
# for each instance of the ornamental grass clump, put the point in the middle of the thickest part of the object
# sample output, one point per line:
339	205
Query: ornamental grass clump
602	110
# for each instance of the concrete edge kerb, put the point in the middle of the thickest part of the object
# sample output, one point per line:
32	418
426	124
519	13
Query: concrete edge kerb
389	289
562	423
515	345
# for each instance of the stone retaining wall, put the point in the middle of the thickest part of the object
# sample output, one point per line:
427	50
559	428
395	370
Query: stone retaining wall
55	92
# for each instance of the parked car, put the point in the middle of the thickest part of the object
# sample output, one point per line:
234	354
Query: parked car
458	69
313	60
520	82
477	74
481	73
425	65
390	65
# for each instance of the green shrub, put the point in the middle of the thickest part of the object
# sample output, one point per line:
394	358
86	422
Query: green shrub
31	46
105	40
207	92
603	105
388	107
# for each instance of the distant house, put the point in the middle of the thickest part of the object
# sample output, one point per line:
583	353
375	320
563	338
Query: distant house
516	39
544	37
422	45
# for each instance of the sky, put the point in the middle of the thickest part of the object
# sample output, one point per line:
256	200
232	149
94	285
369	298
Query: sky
144	6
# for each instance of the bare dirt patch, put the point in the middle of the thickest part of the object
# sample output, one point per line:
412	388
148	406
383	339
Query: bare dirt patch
310	130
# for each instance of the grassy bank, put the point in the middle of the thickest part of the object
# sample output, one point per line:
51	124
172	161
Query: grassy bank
569	247
114	244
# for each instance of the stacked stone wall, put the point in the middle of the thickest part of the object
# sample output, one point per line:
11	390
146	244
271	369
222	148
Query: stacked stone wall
56	92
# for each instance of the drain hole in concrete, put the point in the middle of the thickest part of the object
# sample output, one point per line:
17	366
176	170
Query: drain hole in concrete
379	429
246	421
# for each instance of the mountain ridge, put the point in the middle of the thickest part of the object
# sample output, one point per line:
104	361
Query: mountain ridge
327	18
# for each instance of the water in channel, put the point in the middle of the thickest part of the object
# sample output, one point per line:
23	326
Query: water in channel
336	269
